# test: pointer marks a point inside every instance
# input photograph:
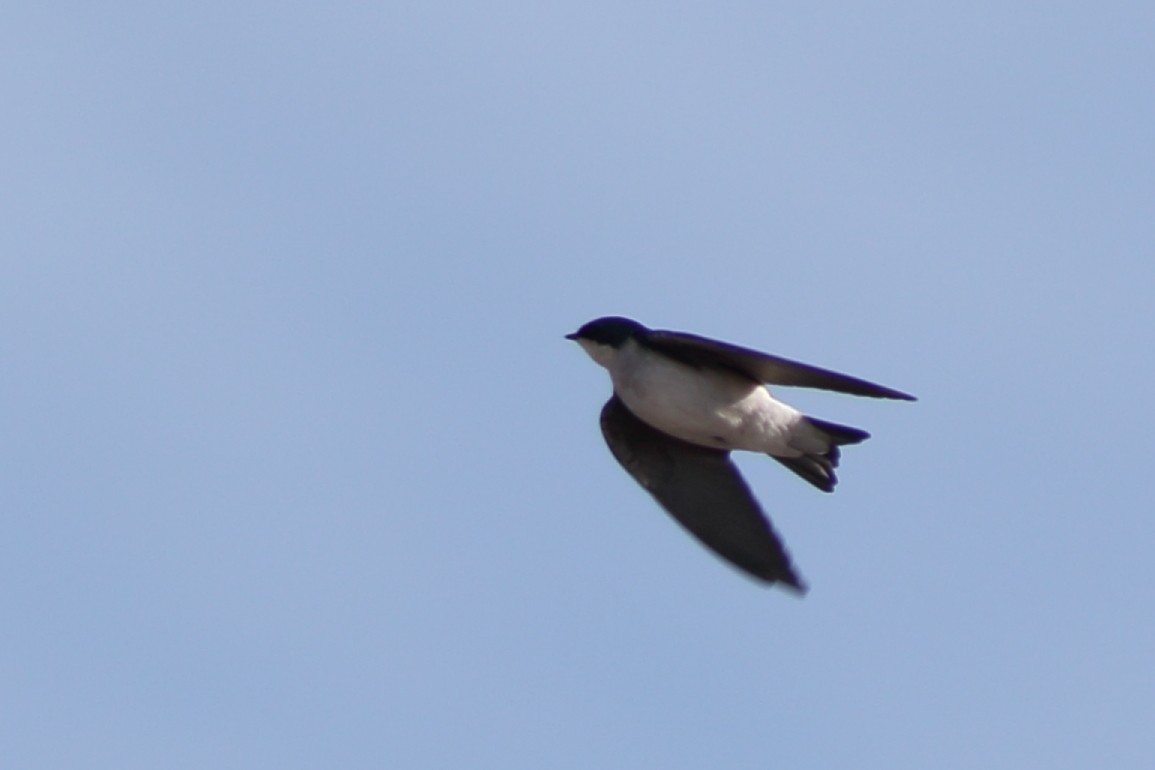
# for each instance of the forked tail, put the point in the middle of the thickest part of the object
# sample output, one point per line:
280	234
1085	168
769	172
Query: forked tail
816	468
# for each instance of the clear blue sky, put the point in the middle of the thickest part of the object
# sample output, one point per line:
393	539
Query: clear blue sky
299	471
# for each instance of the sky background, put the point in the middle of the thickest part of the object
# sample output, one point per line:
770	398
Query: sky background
299	471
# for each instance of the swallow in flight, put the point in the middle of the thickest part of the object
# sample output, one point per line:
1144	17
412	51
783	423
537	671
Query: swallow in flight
682	403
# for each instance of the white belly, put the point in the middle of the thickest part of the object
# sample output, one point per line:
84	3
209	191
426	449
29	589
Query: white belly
708	407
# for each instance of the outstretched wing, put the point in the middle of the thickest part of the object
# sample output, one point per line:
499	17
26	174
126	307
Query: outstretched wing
762	367
703	490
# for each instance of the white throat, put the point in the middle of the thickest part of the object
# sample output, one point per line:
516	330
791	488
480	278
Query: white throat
603	355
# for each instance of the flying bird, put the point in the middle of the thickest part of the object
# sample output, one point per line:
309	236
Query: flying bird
682	403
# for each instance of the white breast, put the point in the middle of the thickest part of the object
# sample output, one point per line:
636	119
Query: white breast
704	406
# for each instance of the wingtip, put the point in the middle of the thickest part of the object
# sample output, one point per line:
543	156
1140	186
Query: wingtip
897	395
794	585
786	579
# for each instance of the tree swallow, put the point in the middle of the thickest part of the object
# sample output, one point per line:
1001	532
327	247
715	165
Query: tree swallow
682	403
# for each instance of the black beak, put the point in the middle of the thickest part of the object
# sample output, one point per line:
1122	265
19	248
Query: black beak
573	336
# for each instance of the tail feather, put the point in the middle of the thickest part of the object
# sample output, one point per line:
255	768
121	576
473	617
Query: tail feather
817	468
841	435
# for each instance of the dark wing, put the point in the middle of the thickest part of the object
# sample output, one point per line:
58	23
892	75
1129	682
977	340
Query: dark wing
703	490
762	367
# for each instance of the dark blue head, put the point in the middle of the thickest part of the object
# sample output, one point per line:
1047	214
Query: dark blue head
613	331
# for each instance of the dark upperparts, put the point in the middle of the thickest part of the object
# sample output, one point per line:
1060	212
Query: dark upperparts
610	330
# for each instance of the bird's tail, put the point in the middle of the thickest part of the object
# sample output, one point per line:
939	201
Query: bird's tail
818	468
